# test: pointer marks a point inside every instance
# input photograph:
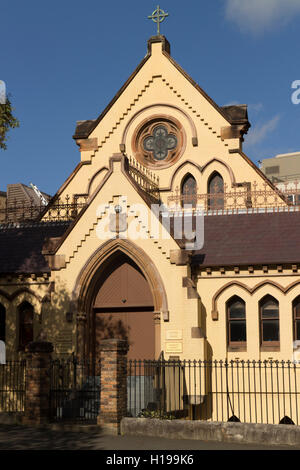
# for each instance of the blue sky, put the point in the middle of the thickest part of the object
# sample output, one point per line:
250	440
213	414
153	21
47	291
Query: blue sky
63	61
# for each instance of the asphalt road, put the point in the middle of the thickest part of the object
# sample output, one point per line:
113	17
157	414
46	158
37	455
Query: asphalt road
24	438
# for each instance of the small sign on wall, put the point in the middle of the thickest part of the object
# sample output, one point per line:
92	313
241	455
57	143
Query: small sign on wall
173	347
173	334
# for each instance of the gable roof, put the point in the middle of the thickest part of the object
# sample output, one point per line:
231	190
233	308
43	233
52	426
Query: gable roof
235	114
146	197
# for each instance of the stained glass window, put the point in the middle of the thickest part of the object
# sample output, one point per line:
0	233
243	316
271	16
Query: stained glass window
160	142
215	192
189	191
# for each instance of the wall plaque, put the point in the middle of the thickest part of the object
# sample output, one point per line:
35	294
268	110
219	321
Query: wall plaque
174	347
173	334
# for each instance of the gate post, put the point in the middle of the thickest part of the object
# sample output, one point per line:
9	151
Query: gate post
37	382
113	400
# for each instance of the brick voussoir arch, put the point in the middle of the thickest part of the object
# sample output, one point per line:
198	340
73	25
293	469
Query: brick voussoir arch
250	290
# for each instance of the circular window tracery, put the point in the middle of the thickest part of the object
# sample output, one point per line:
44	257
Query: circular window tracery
158	142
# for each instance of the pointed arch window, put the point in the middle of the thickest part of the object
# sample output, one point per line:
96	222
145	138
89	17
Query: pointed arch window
215	190
296	318
236	323
2	322
269	322
189	191
25	324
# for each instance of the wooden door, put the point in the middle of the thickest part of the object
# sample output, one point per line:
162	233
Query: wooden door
123	308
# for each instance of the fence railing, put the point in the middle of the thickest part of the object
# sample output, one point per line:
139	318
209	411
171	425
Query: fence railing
74	390
12	386
27	212
246	391
237	199
146	180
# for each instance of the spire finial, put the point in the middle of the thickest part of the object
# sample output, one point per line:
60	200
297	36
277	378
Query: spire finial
158	16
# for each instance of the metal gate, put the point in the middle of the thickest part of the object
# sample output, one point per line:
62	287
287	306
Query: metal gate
75	390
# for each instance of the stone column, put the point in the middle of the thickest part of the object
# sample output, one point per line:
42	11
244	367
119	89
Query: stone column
37	383
113	400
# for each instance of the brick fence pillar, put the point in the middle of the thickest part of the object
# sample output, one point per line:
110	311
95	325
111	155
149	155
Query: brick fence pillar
113	400
37	382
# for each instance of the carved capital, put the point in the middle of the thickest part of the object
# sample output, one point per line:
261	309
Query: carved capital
81	317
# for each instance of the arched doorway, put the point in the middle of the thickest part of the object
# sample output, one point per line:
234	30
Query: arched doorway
123	307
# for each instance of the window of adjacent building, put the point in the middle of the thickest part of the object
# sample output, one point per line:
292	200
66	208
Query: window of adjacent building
2	322
296	316
25	324
236	322
272	170
189	191
215	190
269	321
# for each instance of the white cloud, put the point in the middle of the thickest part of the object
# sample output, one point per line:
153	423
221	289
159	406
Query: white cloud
260	132
258	16
257	107
231	103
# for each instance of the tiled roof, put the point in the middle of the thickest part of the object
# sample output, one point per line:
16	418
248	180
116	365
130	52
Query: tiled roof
21	246
229	240
247	239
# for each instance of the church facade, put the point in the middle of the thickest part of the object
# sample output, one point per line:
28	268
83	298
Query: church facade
165	234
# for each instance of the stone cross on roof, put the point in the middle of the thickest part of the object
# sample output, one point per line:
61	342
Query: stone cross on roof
158	16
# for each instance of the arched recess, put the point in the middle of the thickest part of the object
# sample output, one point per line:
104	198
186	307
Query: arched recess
250	290
90	276
96	179
215	164
202	173
167	108
27	295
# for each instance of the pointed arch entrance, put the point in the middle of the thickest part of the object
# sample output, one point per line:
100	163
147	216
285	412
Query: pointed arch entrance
123	308
120	292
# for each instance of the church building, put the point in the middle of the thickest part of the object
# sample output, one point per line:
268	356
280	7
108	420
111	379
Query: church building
165	234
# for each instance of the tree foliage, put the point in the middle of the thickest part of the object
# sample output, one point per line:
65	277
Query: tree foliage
7	121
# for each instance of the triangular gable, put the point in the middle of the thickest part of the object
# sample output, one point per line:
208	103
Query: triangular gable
140	196
85	128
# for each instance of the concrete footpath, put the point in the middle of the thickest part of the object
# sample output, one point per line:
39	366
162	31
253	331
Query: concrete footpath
25	438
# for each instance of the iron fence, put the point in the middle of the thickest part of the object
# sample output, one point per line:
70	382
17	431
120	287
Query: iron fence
61	209
74	390
12	387
146	179
238	198
245	391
